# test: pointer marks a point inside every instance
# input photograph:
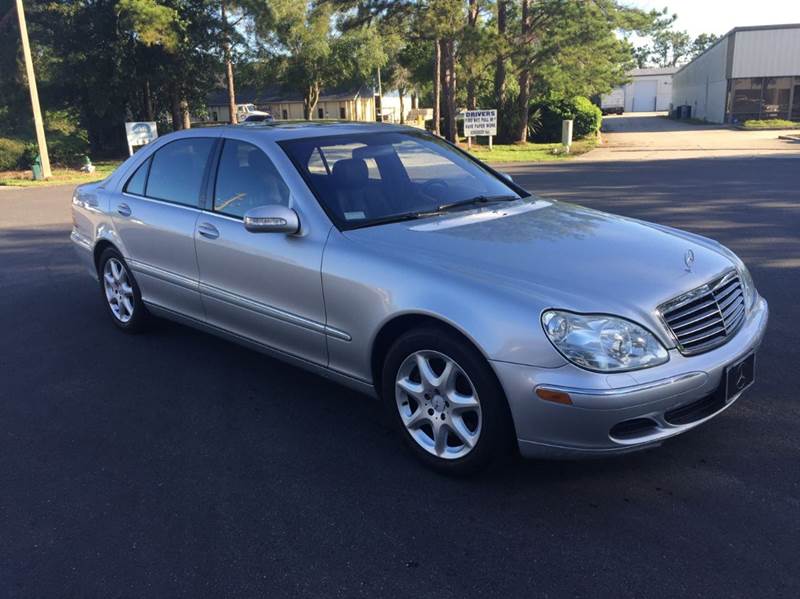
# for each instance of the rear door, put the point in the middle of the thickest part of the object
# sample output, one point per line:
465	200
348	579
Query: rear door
155	217
265	287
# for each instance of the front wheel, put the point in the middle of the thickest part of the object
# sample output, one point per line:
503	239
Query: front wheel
445	401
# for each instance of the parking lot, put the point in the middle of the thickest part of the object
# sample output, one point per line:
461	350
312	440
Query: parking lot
177	464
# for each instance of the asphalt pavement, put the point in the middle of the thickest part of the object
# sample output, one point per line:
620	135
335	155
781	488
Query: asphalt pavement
175	464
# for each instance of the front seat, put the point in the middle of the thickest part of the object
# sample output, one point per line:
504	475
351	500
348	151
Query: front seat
351	180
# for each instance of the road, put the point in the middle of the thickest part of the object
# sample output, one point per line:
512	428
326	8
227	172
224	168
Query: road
175	464
651	136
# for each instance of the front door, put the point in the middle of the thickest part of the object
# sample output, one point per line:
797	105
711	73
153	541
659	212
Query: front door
155	217
265	287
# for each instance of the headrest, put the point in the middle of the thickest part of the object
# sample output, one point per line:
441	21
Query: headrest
351	172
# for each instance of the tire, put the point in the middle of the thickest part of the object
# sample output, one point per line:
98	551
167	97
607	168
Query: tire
421	407
120	292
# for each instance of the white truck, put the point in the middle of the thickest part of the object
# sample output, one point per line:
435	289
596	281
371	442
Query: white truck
613	102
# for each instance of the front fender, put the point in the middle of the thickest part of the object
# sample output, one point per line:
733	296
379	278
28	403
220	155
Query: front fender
365	290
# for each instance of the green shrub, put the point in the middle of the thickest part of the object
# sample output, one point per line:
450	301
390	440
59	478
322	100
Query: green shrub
12	152
586	118
770	124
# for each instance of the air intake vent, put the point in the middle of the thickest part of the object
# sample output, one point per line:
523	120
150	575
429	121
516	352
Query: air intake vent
706	317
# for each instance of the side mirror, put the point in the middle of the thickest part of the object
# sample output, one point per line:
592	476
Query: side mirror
508	177
272	219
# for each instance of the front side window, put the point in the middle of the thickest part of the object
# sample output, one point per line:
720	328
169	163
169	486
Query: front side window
177	169
363	179
246	179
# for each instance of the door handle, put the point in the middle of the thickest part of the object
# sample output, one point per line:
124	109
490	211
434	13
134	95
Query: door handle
124	210
208	230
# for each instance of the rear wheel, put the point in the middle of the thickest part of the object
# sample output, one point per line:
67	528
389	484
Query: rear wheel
445	401
120	292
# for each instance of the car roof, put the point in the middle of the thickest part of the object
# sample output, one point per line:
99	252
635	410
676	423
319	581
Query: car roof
283	130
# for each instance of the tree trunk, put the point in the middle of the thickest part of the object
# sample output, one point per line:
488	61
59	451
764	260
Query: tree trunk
500	70
187	122
310	101
519	131
226	50
177	118
472	22
148	101
400	92
437	85
449	61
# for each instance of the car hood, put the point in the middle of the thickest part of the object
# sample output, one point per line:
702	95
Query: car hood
568	256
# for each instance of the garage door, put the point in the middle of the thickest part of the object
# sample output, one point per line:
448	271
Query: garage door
644	96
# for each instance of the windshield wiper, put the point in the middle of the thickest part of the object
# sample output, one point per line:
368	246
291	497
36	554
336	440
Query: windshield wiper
481	199
396	218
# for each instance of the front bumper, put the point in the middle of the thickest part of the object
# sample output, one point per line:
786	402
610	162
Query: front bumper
644	400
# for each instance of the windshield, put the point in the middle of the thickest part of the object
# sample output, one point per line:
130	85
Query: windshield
372	178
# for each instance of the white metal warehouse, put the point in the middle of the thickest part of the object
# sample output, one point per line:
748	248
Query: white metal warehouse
648	90
751	73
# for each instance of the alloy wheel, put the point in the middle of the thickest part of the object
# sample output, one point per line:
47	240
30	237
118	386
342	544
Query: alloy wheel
118	289
438	404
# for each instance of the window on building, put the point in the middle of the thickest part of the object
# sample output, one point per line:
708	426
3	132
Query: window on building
760	98
795	116
285	114
342	113
746	99
320	113
775	102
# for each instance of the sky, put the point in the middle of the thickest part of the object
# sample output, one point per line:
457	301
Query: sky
720	16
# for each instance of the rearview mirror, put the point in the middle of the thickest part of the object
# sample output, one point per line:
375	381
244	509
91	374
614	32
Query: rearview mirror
271	219
507	177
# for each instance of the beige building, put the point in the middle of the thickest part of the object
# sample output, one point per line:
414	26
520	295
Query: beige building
349	104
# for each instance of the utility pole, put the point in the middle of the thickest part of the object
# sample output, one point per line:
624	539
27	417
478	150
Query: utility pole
37	112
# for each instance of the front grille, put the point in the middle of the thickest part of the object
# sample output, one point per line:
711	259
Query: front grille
706	317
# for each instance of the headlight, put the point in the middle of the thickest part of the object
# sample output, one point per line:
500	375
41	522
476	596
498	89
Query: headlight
600	342
748	287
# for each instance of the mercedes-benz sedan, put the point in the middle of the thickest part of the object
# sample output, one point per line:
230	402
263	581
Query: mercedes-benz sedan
483	317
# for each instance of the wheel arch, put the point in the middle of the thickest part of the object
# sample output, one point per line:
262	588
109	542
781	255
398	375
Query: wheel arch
101	246
399	324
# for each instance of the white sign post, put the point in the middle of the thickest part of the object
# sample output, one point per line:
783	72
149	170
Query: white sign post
140	134
480	123
566	134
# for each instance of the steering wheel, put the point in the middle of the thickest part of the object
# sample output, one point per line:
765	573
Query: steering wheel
430	187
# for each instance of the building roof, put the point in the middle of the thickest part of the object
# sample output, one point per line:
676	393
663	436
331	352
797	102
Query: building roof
276	93
654	71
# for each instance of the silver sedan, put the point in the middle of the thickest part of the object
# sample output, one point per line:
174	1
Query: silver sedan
486	319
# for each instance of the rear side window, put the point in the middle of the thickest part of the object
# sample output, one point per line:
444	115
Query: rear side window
136	184
176	172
